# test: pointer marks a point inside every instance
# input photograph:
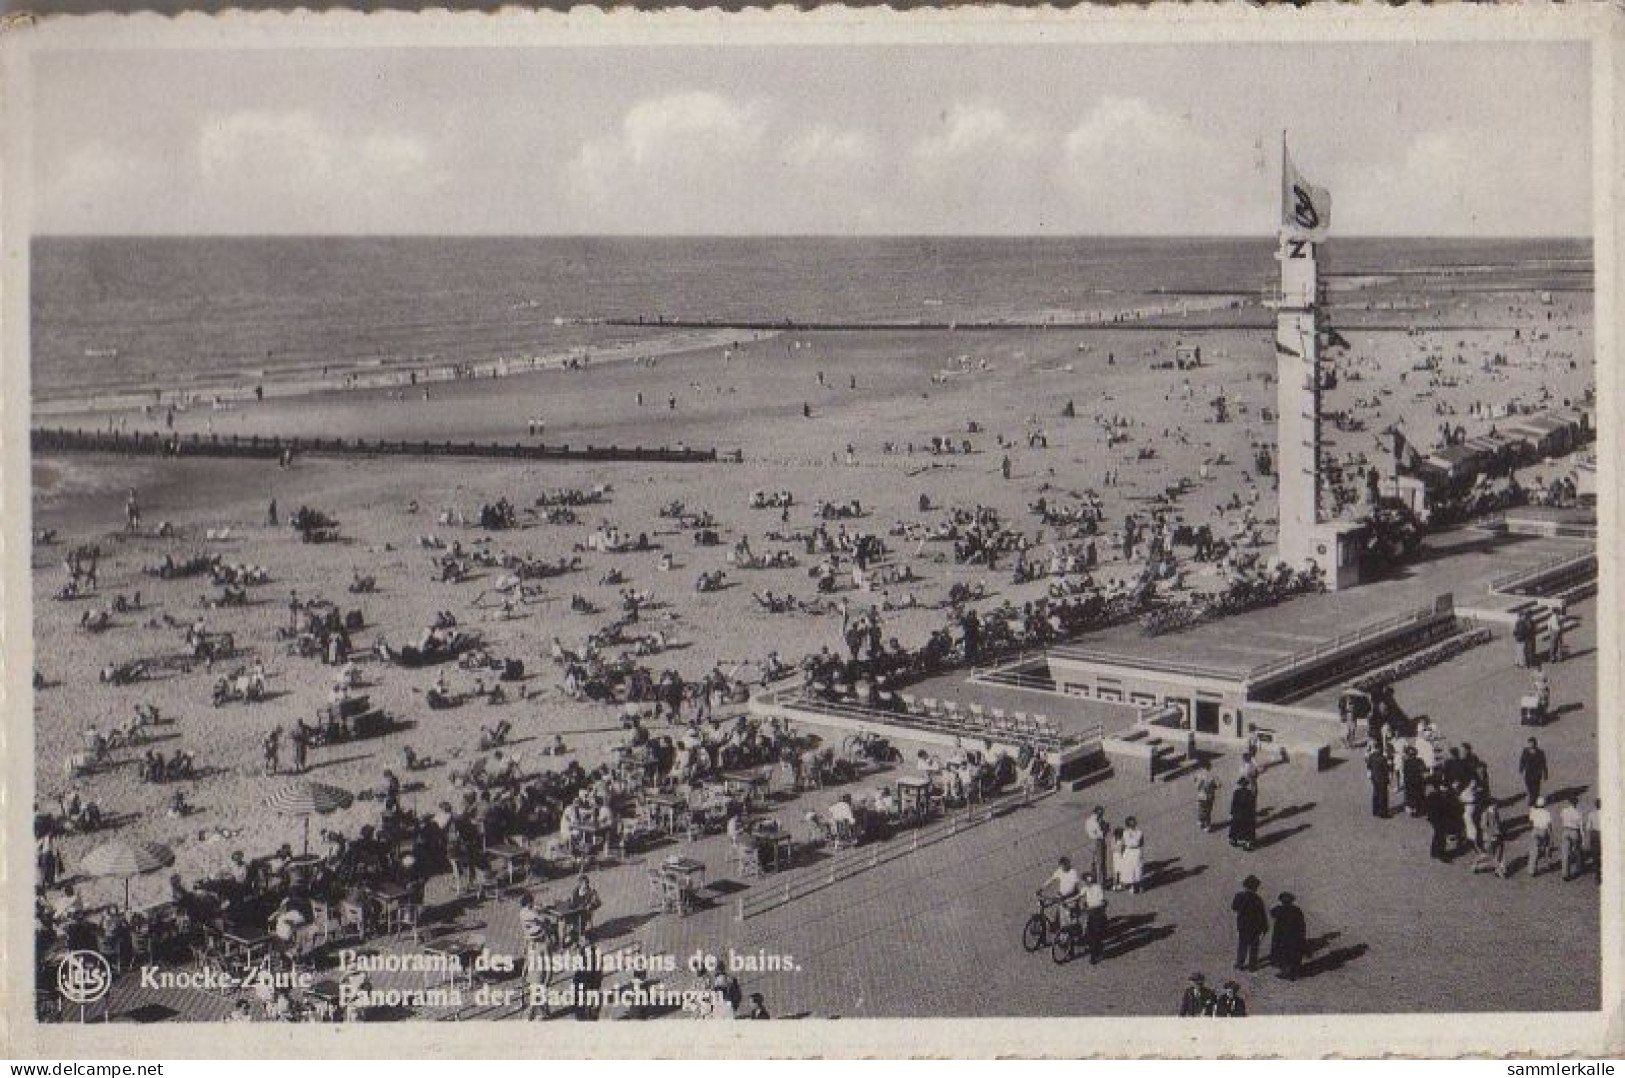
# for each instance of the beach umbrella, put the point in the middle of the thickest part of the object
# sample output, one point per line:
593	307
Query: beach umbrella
302	797
126	859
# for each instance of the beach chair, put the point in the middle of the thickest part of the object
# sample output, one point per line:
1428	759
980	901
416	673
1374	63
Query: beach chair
744	859
910	701
353	919
661	897
842	837
467	880
323	921
929	706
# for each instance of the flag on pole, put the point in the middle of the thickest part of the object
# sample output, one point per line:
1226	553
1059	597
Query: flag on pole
1306	210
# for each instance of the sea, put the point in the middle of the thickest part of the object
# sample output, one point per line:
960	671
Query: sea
111	312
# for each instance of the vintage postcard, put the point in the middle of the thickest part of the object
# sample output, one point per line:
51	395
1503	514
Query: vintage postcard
1019	532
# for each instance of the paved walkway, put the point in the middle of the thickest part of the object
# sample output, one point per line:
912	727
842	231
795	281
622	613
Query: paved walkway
1396	931
937	933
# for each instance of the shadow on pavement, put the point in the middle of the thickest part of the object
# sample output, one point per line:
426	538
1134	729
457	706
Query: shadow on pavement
1128	934
1266	841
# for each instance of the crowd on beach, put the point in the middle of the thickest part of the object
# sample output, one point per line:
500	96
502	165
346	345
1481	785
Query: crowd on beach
686	759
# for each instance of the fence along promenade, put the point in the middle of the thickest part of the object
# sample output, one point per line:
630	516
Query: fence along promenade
255	447
855	860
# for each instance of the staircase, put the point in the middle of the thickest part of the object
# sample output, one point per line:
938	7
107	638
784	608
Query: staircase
1141	751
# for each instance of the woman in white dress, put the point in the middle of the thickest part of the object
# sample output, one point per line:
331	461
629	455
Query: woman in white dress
1131	859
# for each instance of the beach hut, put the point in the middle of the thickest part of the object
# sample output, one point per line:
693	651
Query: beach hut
1548	435
1454	464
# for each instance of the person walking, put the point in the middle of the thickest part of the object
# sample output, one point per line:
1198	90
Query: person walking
1540	836
1131	860
1594	838
301	747
270	514
1442	807
1414	777
1289	936
1573	852
1243	816
273	751
1555	652
1492	844
1471	799
1252	922
1532	766
1523	634
1376	766
1207	791
1099	832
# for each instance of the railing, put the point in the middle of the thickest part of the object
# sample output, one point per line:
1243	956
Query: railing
844	865
1009	674
1422	660
960	726
1419	616
1146	662
1552	567
271	447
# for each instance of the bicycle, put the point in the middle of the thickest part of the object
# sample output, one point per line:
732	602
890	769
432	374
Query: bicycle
1042	928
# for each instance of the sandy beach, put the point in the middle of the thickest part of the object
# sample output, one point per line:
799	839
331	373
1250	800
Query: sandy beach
879	392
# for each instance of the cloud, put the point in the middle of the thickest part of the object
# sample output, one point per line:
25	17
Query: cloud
701	162
975	130
298	158
1129	165
824	148
671	157
1468	180
980	170
94	176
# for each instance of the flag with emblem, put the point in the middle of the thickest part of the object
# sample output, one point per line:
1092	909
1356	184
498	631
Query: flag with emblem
1306	210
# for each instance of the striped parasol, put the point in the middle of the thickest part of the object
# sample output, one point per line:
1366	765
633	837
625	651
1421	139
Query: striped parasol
302	797
126	859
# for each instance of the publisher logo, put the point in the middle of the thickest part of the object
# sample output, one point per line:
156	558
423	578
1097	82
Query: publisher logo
83	977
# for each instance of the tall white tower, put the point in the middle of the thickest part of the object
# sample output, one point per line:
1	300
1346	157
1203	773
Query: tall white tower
1305	535
1297	396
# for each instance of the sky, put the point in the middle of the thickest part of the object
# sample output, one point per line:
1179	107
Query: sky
1457	139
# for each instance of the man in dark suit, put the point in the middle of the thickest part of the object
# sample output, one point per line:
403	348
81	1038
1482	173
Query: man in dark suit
1376	767
1196	999
1532	766
1252	922
1229	1004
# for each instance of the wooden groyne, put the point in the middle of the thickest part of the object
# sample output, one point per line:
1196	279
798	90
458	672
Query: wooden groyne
790	326
256	447
1163	324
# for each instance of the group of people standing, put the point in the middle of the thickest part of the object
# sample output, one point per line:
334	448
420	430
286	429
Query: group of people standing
1285	925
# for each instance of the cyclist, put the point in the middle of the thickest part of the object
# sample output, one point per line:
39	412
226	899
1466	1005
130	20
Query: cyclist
1067	886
